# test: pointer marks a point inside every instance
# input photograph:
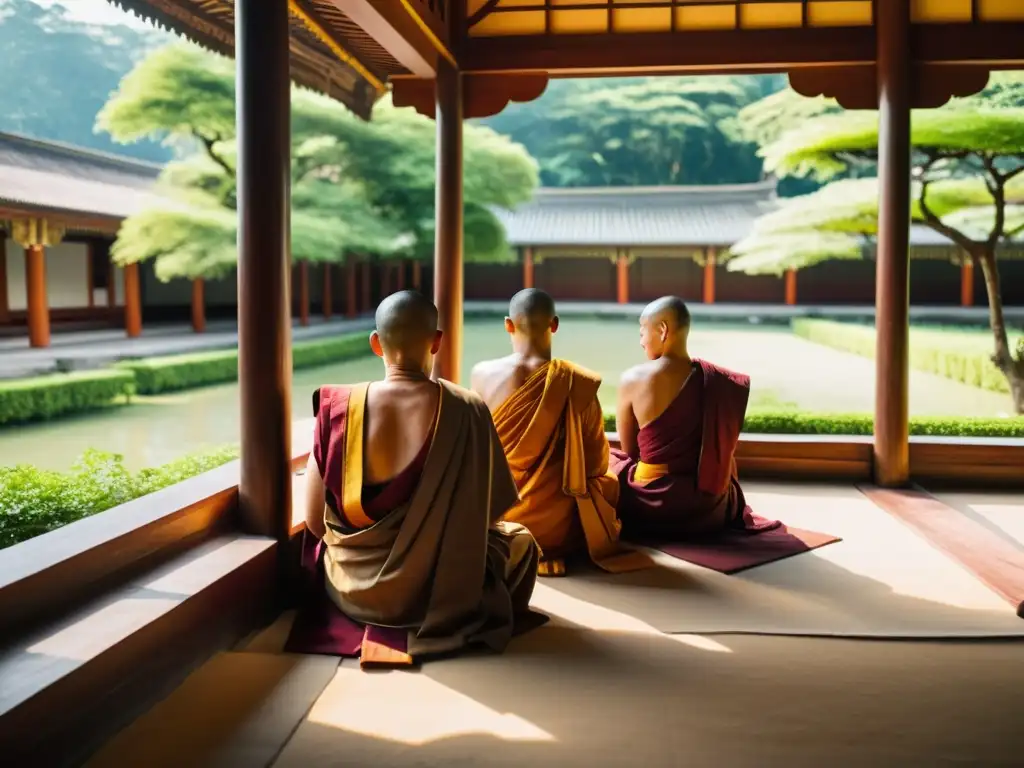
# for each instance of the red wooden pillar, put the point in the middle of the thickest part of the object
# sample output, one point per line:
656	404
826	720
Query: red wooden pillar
708	293
385	279
527	267
36	299
5	309
892	297
132	301
351	292
365	273
622	278
327	301
417	275
400	275
967	281
198	305
791	287
448	270
303	293
262	108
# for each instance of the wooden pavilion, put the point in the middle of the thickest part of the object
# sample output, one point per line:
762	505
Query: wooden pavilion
453	60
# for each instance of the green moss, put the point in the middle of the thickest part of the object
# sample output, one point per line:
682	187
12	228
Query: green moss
47	397
157	375
35	500
786	422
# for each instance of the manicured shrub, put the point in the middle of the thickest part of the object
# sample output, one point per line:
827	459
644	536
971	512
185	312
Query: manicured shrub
787	422
47	397
949	353
34	501
156	375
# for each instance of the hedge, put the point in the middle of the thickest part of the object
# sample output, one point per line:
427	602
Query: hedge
46	397
926	352
796	423
156	375
34	501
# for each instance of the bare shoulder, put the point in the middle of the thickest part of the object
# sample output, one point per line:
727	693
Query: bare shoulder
637	375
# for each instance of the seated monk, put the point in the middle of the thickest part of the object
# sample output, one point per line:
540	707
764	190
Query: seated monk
406	487
551	427
679	423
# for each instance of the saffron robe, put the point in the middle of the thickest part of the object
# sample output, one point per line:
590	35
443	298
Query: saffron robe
425	552
552	431
685	483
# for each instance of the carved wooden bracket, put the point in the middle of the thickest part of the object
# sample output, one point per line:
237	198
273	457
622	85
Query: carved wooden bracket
30	232
856	87
483	94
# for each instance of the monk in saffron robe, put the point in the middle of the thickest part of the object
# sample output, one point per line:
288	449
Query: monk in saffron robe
407	484
551	428
679	422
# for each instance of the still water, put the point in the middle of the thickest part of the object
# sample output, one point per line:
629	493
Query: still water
786	372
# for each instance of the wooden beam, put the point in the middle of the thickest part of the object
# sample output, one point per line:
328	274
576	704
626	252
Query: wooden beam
36	300
892	299
198	305
708	289
665	53
527	267
395	30
327	299
790	287
132	301
622	277
967	282
262	104
448	268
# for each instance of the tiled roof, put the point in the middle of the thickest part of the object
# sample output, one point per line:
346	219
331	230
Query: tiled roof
51	176
649	216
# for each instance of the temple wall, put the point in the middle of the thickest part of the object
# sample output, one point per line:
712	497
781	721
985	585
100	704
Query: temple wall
493	282
576	278
67	273
651	278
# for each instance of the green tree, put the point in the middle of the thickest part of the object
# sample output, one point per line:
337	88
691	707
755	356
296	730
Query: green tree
366	187
639	131
968	186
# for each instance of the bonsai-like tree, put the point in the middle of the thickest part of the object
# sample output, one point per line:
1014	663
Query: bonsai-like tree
967	186
356	186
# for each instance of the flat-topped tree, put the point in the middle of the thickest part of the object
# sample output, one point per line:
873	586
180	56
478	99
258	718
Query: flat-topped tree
968	186
356	186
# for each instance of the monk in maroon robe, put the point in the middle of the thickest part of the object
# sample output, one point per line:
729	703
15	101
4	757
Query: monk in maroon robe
406	487
679	422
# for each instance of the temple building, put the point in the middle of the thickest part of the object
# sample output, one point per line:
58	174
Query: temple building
61	207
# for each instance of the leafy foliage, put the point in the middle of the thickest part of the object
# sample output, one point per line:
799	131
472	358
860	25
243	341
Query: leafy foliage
35	501
640	131
47	397
355	186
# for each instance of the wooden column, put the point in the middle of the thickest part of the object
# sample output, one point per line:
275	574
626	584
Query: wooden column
708	292
417	275
36	299
198	305
366	273
400	275
351	279
5	307
527	267
303	293
622	278
327	300
385	279
448	272
132	301
967	281
791	287
892	297
262	104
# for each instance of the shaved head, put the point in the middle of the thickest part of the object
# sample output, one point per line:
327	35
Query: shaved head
669	309
406	322
532	310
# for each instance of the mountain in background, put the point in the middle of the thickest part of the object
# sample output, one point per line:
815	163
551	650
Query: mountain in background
57	73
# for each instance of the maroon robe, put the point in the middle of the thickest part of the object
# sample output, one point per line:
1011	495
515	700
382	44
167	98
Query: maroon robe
695	439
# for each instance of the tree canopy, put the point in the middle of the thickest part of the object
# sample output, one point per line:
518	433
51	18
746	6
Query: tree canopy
640	131
356	186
